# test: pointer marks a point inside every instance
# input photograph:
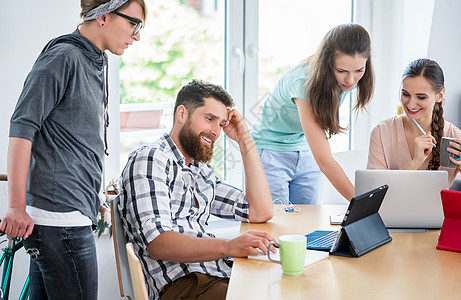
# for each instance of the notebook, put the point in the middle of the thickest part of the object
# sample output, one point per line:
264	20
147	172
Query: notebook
360	207
450	234
413	199
312	256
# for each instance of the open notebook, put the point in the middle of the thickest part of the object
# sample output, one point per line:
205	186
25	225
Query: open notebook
312	256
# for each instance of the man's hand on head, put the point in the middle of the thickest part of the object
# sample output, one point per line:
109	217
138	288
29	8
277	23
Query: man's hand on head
237	130
235	125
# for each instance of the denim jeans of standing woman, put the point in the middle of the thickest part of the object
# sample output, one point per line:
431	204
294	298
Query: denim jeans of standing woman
62	261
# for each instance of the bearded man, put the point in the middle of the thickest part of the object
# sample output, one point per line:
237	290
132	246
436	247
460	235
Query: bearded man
168	191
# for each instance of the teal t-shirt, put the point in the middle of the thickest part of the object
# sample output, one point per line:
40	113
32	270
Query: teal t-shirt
278	127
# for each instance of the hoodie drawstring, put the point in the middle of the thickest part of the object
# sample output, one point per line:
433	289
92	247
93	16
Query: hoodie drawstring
106	103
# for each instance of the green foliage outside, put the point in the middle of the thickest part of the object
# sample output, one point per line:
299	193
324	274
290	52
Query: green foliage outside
177	45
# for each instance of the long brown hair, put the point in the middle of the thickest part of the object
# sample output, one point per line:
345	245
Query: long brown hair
88	5
321	88
433	73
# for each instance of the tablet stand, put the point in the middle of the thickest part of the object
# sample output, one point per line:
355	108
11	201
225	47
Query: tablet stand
450	234
361	237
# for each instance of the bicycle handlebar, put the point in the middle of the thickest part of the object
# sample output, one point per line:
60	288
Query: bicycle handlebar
3	177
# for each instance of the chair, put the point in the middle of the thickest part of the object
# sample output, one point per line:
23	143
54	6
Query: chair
137	277
121	260
350	161
456	186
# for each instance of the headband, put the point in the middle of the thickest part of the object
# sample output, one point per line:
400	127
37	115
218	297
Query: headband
103	9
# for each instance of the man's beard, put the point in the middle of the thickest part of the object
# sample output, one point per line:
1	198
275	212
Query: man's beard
192	145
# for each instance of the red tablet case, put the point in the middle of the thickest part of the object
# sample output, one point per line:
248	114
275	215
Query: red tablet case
450	235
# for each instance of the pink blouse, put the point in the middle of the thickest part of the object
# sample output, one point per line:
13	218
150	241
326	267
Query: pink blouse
389	148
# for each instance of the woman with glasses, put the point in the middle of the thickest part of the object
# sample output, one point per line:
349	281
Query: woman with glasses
56	148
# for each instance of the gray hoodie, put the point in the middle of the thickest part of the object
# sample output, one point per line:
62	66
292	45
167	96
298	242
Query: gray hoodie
61	110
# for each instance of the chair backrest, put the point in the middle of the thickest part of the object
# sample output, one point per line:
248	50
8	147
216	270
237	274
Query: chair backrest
121	260
137	277
350	161
456	185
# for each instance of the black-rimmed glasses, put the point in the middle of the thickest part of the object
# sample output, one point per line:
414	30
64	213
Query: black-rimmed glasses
139	24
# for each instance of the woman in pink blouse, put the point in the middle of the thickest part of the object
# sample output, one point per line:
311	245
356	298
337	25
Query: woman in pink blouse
397	143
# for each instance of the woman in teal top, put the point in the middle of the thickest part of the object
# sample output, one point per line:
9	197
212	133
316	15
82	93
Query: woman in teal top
302	112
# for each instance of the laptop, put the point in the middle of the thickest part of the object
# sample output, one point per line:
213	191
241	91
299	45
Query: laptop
413	199
360	207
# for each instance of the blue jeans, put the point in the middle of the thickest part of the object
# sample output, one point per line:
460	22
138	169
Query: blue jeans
63	263
292	175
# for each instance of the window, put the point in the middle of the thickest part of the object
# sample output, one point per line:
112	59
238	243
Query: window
242	45
289	32
182	40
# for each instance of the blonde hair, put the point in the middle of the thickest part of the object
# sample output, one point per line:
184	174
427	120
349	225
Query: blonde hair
321	87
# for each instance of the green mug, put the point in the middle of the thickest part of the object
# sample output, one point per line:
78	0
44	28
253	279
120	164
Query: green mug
292	249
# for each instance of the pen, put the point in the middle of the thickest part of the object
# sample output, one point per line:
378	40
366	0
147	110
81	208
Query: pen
421	129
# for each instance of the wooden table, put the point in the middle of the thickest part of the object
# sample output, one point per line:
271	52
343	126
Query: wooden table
409	267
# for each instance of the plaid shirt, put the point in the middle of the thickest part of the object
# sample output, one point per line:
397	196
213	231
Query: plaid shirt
158	193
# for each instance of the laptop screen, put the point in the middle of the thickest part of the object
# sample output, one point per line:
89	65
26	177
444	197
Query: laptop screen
413	199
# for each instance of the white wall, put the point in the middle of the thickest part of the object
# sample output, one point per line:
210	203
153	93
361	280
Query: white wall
25	27
445	48
400	33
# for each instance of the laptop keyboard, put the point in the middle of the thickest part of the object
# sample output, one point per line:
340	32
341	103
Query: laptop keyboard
323	242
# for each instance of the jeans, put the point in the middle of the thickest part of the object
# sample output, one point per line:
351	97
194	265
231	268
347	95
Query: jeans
63	263
292	175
